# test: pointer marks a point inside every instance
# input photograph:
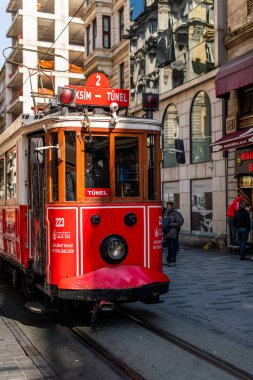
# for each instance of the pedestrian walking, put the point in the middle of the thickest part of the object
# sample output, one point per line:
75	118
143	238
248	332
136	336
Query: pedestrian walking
173	220
242	224
232	208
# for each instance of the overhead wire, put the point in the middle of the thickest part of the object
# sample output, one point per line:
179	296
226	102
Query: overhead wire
46	52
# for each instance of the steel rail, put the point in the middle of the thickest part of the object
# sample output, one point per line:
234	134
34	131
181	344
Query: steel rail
192	349
119	364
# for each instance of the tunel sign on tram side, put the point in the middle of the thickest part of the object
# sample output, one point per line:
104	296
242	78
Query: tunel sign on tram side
98	92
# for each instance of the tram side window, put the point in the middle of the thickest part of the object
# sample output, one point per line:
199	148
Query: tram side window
97	165
54	166
151	167
70	166
11	177
127	179
2	178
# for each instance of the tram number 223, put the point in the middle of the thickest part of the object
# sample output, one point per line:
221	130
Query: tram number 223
59	222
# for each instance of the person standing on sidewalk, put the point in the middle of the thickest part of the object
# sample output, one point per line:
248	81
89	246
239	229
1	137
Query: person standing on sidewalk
242	224
173	220
232	208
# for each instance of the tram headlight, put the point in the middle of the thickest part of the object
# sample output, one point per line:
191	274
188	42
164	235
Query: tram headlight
113	249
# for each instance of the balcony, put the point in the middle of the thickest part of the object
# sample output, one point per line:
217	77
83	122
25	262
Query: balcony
76	34
46	30
16	28
45	6
14	6
74	5
15	106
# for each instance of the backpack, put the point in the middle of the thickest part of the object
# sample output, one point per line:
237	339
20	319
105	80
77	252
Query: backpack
166	224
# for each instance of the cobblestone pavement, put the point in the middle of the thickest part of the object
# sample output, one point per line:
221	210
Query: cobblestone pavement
213	287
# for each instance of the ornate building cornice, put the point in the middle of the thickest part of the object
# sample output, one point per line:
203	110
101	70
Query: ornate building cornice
239	35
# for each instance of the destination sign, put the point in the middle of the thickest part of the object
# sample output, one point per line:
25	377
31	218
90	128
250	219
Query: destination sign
98	93
95	96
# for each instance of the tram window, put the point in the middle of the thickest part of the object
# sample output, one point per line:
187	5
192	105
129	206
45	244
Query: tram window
11	177
127	167
70	166
151	167
2	178
97	165
54	166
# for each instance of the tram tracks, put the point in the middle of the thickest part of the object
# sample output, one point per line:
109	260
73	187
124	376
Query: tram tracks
192	349
130	373
126	370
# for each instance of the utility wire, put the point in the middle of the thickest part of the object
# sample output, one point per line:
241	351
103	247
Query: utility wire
45	52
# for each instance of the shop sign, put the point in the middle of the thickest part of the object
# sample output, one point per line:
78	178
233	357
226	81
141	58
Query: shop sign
244	161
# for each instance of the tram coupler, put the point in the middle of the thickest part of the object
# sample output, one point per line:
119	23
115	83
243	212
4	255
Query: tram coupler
99	306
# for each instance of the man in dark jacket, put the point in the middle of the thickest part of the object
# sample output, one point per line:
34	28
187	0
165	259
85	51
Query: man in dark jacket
242	224
176	220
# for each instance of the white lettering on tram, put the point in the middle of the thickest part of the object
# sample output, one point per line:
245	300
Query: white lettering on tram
116	97
97	192
84	95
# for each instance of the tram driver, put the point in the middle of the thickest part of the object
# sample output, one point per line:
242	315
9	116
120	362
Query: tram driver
94	175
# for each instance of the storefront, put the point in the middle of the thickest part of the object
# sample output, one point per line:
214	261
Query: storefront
244	172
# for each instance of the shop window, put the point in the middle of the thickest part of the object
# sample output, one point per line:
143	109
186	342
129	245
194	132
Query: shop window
201	206
170	133
171	192
11	175
2	193
200	128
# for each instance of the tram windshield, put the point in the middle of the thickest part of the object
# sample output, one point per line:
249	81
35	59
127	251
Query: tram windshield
96	159
115	166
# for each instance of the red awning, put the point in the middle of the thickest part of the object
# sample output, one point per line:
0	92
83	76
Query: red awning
233	140
234	74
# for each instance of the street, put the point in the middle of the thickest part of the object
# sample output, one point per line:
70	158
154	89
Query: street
209	305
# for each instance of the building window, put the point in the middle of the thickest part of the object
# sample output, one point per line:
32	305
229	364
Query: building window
121	75
170	133
121	23
94	34
201	206
106	32
88	42
249	7
171	192
200	128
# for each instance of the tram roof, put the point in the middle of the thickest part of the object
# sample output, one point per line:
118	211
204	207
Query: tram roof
31	123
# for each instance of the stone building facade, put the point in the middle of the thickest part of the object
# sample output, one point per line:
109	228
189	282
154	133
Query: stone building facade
106	49
234	84
176	50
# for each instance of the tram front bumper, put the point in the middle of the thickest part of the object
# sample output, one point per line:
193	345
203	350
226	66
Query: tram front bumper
121	283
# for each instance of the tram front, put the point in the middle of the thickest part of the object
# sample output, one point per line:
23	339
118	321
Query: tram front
103	209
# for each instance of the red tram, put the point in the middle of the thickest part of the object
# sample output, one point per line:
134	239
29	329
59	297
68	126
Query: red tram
80	210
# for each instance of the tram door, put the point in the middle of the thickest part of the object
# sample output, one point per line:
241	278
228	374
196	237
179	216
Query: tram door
37	188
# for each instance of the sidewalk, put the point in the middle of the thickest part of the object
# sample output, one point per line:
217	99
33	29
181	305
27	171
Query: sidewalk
19	360
213	287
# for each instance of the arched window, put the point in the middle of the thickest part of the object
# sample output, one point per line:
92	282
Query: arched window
170	133
200	128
